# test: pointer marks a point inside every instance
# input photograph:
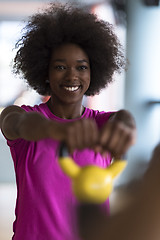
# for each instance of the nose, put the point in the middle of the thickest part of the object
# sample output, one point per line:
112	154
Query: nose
71	74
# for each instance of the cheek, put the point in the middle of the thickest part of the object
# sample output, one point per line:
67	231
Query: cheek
89	80
54	78
52	75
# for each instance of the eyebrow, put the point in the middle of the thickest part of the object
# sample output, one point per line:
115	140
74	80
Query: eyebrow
63	60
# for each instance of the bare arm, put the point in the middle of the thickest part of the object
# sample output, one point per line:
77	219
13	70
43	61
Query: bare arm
116	136
17	123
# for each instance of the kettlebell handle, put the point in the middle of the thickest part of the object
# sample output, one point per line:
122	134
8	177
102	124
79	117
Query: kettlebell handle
63	151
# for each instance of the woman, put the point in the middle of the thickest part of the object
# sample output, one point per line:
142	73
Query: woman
66	53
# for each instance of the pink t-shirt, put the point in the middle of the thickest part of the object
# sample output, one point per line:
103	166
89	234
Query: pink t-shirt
46	207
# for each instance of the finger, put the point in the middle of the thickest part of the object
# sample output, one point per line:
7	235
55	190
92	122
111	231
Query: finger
92	134
70	138
118	140
126	140
85	131
121	148
110	140
105	134
98	149
125	143
80	135
88	133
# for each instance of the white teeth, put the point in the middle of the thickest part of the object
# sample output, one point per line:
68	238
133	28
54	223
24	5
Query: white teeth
71	88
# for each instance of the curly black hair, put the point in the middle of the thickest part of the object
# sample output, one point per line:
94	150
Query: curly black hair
63	23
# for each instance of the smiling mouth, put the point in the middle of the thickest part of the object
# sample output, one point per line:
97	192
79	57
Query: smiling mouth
71	89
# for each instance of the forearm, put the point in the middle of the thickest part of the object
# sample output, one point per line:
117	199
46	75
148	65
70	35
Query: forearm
33	126
30	126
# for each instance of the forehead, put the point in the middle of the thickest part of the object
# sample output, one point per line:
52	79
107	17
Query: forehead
69	51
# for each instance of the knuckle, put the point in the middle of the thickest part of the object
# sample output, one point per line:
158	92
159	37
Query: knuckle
69	130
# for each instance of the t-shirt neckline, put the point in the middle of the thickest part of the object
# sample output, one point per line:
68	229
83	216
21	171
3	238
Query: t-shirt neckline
51	115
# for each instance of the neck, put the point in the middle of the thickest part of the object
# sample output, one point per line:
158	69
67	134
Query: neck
68	111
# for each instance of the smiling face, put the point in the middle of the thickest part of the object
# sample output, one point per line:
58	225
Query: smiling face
69	74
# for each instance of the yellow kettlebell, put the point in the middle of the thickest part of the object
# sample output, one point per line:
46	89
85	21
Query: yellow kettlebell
90	184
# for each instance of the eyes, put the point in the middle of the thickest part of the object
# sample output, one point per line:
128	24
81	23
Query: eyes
63	67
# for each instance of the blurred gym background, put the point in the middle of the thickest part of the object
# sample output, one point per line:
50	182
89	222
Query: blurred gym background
137	24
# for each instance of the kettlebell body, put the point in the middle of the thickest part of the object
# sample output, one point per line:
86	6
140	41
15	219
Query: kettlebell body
91	184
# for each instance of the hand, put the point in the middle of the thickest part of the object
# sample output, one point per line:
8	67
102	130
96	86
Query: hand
80	134
117	135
